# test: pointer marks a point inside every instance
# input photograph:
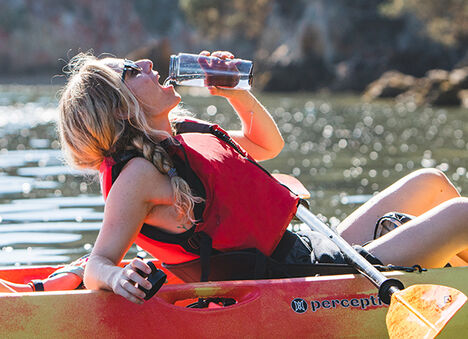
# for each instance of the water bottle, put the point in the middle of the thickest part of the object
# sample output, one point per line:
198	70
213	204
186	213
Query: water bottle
203	71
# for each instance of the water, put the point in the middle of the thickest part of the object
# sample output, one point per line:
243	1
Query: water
342	149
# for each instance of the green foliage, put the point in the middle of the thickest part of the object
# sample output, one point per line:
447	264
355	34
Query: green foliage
218	18
446	21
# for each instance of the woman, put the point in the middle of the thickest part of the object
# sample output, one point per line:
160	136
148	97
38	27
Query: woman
114	117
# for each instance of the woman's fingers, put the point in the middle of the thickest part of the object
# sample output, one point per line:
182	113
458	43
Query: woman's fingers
129	291
225	92
128	279
219	91
223	54
140	265
218	54
136	278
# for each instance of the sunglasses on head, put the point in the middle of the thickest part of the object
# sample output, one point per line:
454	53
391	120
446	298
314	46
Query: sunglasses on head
131	67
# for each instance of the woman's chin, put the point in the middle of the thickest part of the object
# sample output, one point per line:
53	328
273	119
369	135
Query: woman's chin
177	99
168	87
176	94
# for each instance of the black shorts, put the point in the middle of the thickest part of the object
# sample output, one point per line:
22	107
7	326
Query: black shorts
313	247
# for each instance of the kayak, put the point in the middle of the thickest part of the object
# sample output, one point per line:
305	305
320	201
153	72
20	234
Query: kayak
334	306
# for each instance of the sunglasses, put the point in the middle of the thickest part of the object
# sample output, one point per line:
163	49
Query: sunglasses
131	67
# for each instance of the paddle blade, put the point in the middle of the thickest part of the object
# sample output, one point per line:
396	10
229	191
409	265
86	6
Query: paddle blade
422	311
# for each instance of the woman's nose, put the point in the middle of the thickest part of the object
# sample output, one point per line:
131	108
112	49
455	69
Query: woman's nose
146	65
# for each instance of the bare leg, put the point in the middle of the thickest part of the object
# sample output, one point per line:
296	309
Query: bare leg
464	256
414	194
429	240
457	261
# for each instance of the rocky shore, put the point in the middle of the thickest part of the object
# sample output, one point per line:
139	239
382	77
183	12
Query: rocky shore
298	45
438	87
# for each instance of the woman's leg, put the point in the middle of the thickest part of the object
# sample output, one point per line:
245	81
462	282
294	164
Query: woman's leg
457	260
414	194
429	240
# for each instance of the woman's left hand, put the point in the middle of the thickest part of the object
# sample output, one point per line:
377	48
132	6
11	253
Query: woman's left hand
124	282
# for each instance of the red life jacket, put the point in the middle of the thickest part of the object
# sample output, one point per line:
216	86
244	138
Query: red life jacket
245	207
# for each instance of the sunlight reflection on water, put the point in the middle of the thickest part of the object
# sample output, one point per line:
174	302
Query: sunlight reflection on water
342	149
37	238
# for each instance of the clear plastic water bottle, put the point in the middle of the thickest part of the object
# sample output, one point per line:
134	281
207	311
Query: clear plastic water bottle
203	71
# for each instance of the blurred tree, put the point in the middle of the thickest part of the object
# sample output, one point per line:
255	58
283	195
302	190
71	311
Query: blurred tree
446	21
151	14
227	18
12	17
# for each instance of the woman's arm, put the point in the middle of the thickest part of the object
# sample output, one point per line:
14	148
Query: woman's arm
259	135
129	201
9	287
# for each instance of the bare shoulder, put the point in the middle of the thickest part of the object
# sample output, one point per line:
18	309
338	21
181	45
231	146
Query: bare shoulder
139	166
140	175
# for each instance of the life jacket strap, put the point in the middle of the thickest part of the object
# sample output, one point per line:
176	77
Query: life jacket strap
206	247
284	246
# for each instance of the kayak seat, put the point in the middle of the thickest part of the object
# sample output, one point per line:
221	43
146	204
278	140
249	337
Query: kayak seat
251	264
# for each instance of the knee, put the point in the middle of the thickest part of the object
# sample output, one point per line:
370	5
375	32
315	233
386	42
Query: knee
454	214
458	207
430	177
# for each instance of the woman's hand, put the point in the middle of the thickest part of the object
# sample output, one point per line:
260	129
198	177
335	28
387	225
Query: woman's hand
124	282
219	84
259	135
219	54
227	92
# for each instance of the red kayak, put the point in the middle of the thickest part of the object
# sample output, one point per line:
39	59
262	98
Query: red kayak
336	306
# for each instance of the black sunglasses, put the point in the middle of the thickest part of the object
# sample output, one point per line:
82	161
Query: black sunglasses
130	66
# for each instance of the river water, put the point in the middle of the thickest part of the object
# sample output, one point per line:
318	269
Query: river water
341	148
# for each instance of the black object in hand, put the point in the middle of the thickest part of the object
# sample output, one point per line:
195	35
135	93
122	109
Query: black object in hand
157	278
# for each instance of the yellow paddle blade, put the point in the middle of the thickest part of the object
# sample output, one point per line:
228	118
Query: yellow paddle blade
293	184
422	311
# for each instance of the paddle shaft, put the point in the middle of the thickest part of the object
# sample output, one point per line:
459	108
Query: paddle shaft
387	286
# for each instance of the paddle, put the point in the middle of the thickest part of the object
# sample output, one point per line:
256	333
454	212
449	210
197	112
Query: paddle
420	311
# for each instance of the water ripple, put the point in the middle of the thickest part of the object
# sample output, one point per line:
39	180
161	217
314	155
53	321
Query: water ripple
14	238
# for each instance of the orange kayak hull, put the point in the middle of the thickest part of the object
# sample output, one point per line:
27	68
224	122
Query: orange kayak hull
329	306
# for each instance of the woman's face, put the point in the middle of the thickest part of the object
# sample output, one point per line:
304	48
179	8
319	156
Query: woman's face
156	100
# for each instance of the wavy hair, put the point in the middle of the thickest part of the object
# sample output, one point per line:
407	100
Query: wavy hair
100	116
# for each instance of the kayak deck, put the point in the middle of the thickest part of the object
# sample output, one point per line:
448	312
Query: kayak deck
327	306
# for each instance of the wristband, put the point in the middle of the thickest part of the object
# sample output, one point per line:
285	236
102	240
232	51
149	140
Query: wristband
36	285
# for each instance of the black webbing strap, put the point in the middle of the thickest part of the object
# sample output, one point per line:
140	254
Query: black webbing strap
205	254
284	246
37	285
260	269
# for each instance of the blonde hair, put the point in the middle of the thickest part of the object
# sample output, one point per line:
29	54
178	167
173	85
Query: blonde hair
100	116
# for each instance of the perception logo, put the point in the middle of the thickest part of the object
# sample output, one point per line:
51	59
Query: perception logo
299	305
363	302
